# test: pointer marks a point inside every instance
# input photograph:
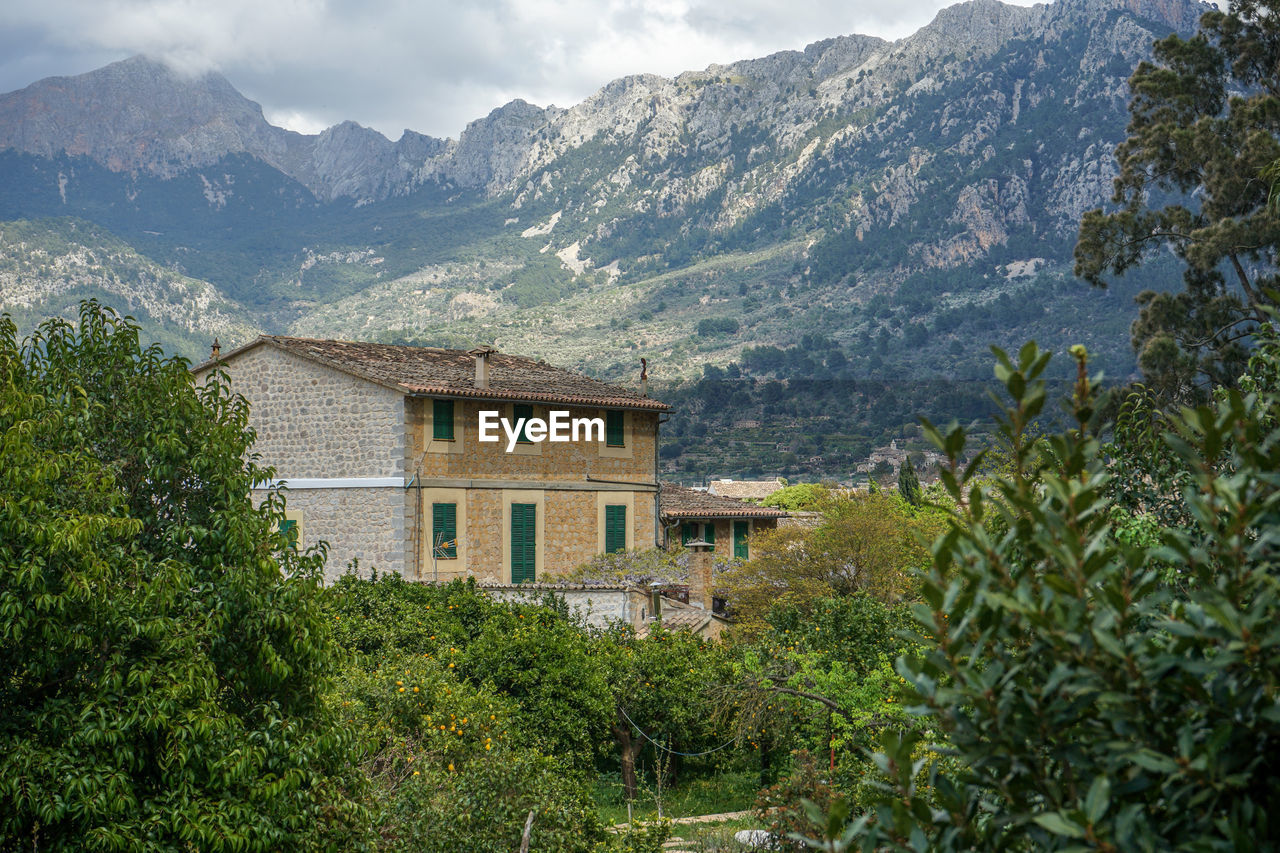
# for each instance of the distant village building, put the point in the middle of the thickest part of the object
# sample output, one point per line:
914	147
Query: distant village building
690	515
378	447
896	457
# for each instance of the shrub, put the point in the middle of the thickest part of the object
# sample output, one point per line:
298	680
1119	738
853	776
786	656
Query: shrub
1091	704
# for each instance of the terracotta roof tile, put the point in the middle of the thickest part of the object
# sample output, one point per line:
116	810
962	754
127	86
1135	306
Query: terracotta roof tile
745	490
431	371
682	502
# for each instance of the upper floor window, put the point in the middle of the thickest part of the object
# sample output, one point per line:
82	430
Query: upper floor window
442	420
615	434
519	412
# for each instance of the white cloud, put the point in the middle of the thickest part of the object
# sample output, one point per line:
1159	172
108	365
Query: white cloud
429	66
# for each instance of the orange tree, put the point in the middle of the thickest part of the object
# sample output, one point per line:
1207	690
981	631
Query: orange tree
162	652
471	713
663	686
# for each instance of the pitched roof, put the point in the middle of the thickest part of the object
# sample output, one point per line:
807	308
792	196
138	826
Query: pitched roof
745	490
432	371
691	620
682	502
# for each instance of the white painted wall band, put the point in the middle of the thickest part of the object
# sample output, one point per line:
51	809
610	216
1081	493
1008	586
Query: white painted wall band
296	483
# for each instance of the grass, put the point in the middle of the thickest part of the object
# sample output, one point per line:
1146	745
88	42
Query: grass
694	795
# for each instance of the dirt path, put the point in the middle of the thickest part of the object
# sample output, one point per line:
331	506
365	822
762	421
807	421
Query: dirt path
702	818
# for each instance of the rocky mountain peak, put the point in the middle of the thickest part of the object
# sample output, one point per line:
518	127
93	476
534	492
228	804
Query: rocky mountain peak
134	115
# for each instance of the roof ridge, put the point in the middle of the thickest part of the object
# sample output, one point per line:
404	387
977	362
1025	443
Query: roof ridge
435	371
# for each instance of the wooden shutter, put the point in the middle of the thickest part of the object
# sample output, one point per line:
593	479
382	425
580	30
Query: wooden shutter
740	529
519	411
709	533
442	420
524	546
687	534
289	527
615	528
615	434
444	528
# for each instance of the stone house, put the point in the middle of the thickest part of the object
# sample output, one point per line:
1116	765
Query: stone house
689	515
379	448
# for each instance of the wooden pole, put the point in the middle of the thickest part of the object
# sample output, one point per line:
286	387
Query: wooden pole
528	827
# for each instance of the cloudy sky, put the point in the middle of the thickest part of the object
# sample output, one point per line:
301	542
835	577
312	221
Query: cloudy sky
429	65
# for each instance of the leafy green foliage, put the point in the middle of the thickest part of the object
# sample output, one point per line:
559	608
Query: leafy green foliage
472	712
867	542
1191	178
163	657
801	496
1091	704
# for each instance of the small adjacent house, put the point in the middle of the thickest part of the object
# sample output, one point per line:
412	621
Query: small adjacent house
745	490
689	515
378	446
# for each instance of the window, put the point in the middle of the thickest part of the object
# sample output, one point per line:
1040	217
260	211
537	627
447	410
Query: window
289	529
709	533
688	532
740	531
442	420
524	546
519	411
615	434
444	531
615	528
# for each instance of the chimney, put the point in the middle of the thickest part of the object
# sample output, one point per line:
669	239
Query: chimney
481	354
701	555
655	601
644	377
215	350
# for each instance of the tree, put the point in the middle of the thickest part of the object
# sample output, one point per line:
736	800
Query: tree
866	543
661	685
909	484
162	655
1091	703
800	497
1192	179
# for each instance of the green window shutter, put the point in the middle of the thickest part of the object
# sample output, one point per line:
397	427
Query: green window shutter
615	433
687	534
615	528
740	539
442	420
444	529
519	411
524	546
709	533
289	527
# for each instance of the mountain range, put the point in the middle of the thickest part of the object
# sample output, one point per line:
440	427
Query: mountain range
885	209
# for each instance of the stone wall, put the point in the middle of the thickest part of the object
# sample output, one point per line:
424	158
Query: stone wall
466	457
553	475
313	422
599	606
366	525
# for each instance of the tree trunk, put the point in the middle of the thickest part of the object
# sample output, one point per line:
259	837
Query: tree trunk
628	751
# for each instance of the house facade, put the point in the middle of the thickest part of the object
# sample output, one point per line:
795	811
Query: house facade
379	447
690	515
